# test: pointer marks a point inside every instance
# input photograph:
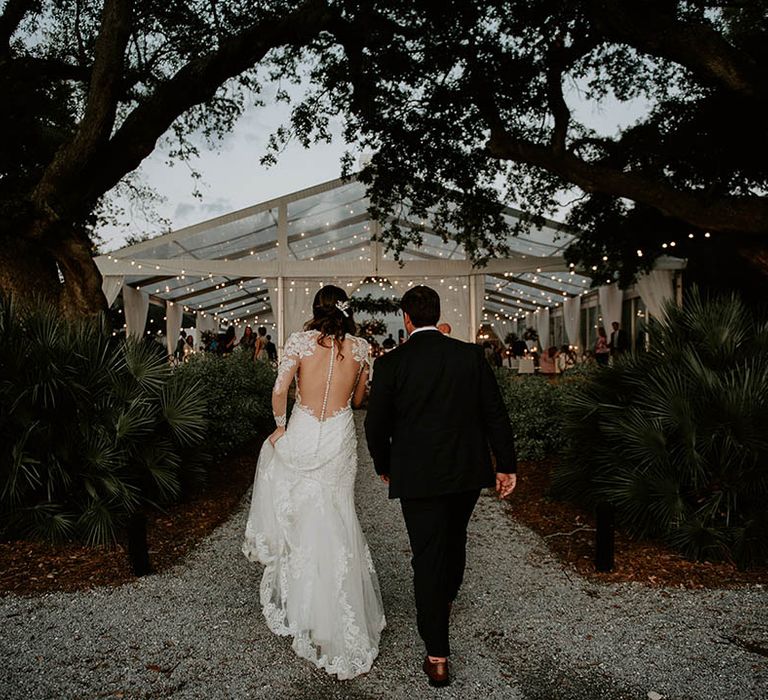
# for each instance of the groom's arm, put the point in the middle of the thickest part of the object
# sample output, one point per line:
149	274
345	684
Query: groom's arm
379	420
496	420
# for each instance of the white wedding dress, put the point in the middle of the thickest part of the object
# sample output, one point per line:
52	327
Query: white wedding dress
319	583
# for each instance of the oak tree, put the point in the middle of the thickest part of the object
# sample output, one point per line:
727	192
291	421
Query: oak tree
459	98
88	88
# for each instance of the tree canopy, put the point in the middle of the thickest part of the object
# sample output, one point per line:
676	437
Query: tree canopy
90	87
460	98
456	101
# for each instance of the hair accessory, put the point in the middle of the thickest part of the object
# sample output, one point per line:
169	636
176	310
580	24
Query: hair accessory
343	306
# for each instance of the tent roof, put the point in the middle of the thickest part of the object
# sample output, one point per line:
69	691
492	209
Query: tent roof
223	266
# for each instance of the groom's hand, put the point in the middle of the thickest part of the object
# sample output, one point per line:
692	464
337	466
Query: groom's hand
505	484
384	478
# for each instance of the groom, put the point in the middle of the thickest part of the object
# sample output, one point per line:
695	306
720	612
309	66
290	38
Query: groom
433	410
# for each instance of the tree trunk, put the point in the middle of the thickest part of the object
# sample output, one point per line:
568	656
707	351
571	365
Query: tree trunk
27	271
81	294
66	277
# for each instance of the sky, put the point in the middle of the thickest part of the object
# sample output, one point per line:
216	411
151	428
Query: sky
233	178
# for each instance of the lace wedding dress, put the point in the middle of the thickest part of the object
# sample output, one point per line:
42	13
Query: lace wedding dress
319	583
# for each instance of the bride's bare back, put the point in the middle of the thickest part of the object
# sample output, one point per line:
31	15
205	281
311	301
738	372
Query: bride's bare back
329	379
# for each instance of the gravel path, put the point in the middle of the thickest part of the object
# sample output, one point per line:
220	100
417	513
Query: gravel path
522	628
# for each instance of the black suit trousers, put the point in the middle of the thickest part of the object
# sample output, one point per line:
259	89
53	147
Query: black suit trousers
437	529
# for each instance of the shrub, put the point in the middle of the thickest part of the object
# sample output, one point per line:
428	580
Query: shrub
92	429
237	393
677	438
535	410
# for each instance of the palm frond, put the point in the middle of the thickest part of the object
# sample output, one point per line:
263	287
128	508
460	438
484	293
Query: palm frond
183	408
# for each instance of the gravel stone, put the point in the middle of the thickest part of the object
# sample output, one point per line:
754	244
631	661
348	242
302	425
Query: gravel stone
523	628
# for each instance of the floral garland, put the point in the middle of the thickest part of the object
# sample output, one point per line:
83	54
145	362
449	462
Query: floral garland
375	305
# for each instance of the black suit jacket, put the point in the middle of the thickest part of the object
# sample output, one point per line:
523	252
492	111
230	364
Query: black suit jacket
618	342
433	410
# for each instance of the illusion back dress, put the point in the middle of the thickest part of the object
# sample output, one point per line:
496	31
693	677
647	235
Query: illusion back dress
319	583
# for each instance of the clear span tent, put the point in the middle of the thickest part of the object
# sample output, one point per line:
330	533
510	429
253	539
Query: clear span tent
262	265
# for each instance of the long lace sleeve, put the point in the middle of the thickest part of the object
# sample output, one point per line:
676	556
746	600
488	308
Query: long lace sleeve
286	371
361	352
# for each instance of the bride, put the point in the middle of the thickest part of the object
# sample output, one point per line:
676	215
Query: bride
319	583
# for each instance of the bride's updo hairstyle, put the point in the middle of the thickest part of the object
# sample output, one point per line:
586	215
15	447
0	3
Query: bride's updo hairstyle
331	315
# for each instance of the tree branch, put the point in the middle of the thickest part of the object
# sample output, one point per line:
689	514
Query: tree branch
194	84
695	46
97	123
557	106
14	13
51	69
729	214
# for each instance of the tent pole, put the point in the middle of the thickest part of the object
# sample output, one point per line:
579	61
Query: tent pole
472	309
280	312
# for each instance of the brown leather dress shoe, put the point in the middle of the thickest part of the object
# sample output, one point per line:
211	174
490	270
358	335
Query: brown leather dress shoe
437	672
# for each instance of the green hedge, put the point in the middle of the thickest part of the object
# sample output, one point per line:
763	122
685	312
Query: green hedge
677	438
92	429
238	397
535	406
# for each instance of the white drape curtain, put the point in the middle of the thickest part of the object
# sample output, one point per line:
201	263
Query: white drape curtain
173	314
542	328
136	305
454	304
530	321
572	319
111	286
610	298
479	282
655	290
298	303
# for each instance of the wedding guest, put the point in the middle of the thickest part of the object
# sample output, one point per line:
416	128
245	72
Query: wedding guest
179	352
260	347
271	349
189	346
564	359
229	341
547	362
248	340
531	340
389	343
618	344
602	351
490	355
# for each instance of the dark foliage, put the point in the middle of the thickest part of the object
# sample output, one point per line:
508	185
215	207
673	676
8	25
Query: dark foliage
238	397
92	429
535	406
677	438
457	97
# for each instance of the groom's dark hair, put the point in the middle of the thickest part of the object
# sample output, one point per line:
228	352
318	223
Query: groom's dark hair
422	304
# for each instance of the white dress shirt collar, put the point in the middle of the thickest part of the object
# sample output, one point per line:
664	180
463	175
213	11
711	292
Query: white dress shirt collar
424	328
